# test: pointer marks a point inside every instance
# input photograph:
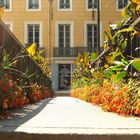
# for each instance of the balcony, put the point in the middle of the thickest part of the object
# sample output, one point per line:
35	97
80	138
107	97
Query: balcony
72	51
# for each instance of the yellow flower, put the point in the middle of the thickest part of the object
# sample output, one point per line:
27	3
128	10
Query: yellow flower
32	49
123	13
136	1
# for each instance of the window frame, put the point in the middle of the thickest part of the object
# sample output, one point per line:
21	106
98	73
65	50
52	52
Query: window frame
57	32
65	9
64	34
10	7
85	32
92	9
26	23
33	10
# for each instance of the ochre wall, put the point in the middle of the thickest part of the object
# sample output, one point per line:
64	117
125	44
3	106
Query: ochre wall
78	16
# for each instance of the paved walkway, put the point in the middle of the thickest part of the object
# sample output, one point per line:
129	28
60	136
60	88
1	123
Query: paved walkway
67	115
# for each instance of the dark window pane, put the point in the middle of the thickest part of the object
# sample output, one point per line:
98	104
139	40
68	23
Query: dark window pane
61	28
30	28
95	4
37	28
89	4
36	40
33	4
61	44
92	35
30	40
64	35
37	34
67	4
64	4
122	3
33	34
30	34
61	3
92	4
7	4
67	42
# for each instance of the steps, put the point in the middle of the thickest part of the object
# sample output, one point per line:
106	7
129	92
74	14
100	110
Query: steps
24	136
62	93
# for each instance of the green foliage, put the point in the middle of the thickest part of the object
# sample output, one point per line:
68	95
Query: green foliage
6	61
82	66
37	55
82	82
129	11
116	64
82	74
93	56
134	63
118	40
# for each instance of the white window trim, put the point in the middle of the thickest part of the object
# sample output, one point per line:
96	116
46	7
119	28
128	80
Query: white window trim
69	9
117	9
10	9
85	32
87	9
26	23
10	23
33	10
71	32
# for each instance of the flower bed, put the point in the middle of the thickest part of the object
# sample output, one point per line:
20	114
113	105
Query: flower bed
13	96
120	98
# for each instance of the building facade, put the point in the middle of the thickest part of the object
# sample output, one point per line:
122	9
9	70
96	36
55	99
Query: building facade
63	27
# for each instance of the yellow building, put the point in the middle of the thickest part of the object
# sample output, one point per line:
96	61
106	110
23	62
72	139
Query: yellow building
63	27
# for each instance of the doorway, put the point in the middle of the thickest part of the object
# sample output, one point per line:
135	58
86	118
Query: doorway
64	76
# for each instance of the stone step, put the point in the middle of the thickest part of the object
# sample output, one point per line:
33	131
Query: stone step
62	93
25	136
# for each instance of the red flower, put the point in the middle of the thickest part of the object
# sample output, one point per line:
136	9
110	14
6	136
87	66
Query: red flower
4	89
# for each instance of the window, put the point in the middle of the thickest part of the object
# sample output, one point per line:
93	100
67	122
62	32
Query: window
121	4
33	34
64	36
92	4
7	4
34	5
65	5
91	35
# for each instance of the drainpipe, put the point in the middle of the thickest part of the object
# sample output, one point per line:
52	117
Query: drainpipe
98	25
50	17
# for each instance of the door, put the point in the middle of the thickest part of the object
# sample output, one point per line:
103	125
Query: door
64	76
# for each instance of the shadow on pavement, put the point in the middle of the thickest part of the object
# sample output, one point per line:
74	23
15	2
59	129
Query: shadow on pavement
20	116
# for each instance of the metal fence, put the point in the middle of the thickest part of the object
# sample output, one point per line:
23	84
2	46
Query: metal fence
71	51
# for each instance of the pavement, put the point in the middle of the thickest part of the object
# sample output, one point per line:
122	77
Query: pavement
68	118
